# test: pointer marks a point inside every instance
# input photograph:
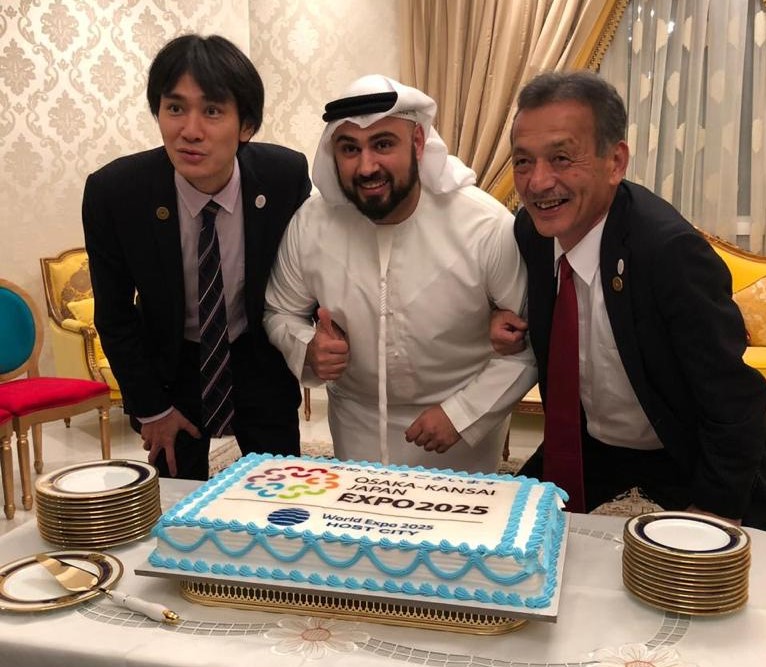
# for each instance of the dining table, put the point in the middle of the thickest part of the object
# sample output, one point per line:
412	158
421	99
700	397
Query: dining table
598	622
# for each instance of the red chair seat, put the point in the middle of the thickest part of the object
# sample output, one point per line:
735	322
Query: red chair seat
27	395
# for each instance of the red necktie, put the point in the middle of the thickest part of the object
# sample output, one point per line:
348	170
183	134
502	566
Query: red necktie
562	452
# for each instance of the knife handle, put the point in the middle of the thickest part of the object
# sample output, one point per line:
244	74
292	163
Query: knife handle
153	610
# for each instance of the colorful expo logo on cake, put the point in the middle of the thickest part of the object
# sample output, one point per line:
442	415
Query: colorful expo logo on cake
292	482
288	517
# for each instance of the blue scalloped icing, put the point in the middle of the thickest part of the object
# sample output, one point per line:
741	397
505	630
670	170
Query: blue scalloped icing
184	513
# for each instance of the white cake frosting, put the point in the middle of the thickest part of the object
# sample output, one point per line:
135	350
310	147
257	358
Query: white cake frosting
359	527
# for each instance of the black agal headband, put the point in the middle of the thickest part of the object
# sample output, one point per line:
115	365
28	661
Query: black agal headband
359	105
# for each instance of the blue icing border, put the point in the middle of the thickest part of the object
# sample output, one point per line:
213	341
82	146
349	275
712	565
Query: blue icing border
441	590
185	511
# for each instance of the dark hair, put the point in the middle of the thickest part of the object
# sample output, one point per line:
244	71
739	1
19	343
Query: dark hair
587	88
220	69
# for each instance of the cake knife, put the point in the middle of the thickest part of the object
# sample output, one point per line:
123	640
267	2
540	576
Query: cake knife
78	580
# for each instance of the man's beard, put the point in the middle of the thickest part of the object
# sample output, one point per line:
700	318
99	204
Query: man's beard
377	208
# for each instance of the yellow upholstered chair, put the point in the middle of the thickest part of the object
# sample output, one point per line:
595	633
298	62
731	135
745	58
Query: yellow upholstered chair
748	276
76	347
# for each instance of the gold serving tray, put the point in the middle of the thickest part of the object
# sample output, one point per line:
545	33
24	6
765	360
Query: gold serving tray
261	598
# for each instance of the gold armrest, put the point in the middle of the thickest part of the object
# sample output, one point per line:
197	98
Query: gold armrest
73	325
76	350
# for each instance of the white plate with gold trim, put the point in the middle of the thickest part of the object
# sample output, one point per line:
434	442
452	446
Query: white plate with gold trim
25	585
684	533
96	479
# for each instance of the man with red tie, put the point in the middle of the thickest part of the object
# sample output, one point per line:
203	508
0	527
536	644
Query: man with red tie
647	386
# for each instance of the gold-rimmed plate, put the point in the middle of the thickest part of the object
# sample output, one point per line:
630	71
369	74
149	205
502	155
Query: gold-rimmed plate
99	528
692	562
686	535
142	493
673	587
26	586
96	479
83	514
120	514
94	541
685	608
684	578
698	599
95	501
710	570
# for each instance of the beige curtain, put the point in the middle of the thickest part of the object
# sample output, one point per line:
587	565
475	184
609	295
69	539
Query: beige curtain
472	56
692	73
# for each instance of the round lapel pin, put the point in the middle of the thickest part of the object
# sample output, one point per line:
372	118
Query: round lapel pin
260	201
617	284
162	213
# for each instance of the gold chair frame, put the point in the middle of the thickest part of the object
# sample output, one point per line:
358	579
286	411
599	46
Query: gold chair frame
6	467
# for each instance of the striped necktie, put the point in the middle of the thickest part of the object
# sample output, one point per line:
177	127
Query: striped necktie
215	372
562	451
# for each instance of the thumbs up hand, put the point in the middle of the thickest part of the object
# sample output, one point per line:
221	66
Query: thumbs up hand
327	353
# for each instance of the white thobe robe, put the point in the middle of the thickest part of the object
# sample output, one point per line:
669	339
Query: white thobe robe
450	262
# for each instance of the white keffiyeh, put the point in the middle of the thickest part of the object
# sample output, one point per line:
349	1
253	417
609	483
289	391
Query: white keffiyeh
439	171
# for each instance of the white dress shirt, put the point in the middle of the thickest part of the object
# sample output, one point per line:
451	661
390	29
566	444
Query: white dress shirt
615	416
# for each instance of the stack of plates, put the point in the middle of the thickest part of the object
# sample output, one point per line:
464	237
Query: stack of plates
98	504
686	563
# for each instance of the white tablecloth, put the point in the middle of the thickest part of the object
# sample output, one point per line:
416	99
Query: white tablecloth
595	614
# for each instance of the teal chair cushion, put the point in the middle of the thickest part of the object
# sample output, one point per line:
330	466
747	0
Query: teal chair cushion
17	331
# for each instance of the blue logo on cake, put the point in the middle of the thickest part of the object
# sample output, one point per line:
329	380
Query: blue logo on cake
288	517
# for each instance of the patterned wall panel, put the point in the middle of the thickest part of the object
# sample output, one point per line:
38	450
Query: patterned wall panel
307	51
72	86
72	78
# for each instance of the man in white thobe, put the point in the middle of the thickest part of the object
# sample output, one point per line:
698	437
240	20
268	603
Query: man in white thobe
401	260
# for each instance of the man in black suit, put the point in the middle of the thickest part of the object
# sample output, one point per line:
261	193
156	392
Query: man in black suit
666	402
142	215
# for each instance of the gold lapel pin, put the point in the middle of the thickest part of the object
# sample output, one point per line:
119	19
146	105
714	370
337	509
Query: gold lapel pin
617	283
162	213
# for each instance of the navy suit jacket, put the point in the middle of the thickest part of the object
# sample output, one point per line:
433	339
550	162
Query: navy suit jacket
132	235
680	338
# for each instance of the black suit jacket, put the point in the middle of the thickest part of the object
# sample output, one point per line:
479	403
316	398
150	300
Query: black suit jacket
132	235
680	338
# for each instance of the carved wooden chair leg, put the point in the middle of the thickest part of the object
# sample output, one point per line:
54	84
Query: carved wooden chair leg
22	447
106	442
37	446
6	465
67	421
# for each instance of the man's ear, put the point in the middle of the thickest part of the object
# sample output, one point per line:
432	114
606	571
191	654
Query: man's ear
419	140
620	156
246	132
